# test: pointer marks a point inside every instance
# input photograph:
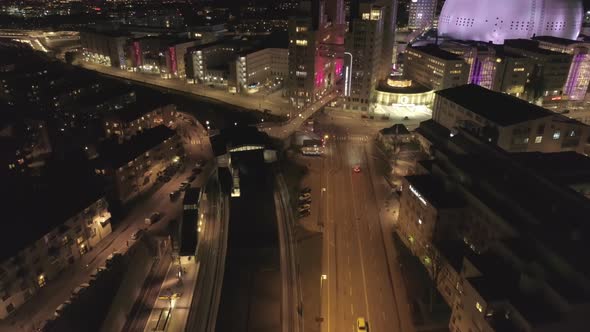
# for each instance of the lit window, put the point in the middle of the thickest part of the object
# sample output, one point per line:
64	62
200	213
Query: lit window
518	69
366	16
572	133
538	139
556	134
301	29
301	42
478	307
427	260
420	221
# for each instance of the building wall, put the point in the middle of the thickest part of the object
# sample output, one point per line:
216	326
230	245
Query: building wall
435	73
24	274
103	49
114	125
548	134
421	13
364	43
141	173
259	67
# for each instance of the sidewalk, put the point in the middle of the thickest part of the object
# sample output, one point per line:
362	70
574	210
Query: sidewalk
389	208
174	320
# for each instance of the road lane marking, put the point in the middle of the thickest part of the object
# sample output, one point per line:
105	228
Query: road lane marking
351	309
350	291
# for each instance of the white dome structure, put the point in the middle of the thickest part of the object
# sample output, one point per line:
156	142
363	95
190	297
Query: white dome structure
497	20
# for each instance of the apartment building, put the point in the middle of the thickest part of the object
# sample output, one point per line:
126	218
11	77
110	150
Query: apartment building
133	166
509	122
74	222
138	116
104	47
434	67
508	262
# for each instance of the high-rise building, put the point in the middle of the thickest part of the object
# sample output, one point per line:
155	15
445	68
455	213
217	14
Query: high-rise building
363	66
421	13
316	48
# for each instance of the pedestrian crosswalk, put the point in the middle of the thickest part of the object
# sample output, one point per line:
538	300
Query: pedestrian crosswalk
352	138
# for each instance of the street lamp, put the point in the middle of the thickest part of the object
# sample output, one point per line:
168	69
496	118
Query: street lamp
322	278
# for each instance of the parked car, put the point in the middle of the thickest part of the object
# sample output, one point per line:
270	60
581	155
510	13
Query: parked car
306	190
79	290
153	218
184	185
304	214
137	234
174	195
61	308
46	326
304	196
191	178
109	261
356	169
303	208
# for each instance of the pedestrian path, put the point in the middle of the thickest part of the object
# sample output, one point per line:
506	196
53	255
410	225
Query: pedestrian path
171	309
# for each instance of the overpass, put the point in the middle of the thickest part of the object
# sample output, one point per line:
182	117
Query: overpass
285	129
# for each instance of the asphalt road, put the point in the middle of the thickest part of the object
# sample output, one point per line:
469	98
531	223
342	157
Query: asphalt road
358	281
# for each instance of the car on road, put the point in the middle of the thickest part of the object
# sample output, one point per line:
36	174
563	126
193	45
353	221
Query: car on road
137	234
109	261
304	196
361	325
61	308
356	169
153	218
174	195
191	178
46	326
184	186
306	190
304	214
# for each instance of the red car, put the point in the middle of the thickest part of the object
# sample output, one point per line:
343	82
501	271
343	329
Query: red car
356	169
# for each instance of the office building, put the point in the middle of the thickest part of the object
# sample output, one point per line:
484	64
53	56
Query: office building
316	50
495	21
492	67
550	72
500	239
253	69
133	166
363	57
422	14
435	68
508	122
578	77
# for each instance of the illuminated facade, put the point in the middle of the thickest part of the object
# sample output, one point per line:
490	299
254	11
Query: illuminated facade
435	68
497	20
403	92
104	48
578	77
422	13
316	51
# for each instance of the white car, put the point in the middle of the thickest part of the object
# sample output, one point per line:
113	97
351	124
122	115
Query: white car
60	309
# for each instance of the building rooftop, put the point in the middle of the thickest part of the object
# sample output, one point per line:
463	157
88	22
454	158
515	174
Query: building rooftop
497	107
566	167
556	40
433	191
436	51
529	45
116	155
